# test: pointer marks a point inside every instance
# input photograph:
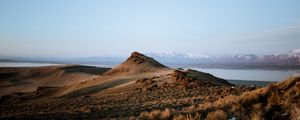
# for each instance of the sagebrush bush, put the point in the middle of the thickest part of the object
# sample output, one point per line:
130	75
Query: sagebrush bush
217	115
276	101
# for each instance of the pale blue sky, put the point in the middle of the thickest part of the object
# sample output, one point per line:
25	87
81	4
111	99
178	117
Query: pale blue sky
118	27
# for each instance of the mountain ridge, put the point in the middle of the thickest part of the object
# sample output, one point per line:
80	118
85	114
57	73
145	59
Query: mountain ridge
290	58
172	58
132	89
136	63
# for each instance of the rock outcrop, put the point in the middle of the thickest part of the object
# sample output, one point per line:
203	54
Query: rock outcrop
135	64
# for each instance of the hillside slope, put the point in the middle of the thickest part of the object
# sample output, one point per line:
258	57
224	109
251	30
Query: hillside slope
278	101
139	67
28	79
139	84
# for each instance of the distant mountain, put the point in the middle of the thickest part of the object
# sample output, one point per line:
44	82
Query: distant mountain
290	58
181	58
202	58
294	53
198	56
172	58
93	60
237	58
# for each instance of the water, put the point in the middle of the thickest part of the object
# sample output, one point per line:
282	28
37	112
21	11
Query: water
252	75
25	64
99	65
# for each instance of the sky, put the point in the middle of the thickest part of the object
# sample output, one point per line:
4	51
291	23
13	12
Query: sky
61	28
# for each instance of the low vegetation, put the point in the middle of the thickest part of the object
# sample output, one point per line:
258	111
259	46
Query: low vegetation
141	88
280	101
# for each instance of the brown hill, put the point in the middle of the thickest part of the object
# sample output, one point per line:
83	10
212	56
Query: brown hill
139	68
28	79
135	64
76	81
139	84
278	101
189	76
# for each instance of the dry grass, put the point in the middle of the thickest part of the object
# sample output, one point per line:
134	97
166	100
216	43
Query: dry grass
197	116
199	100
217	115
256	116
277	101
156	114
295	112
166	113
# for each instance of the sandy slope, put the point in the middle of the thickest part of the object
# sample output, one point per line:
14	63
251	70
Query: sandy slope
28	79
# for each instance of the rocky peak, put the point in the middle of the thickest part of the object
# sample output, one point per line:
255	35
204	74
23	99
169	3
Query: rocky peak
137	63
138	58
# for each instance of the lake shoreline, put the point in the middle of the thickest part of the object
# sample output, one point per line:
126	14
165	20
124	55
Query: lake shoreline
249	83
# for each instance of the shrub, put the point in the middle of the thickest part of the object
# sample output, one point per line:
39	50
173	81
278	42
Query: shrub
197	116
256	116
217	115
150	115
156	114
165	114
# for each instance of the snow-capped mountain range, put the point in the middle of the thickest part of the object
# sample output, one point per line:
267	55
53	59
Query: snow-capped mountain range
294	53
173	58
290	58
177	55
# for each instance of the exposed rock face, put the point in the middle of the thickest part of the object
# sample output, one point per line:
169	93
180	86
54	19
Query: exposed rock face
137	63
138	58
188	79
181	77
145	81
147	84
189	76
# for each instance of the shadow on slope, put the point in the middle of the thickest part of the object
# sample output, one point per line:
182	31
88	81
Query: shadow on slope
94	89
85	69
